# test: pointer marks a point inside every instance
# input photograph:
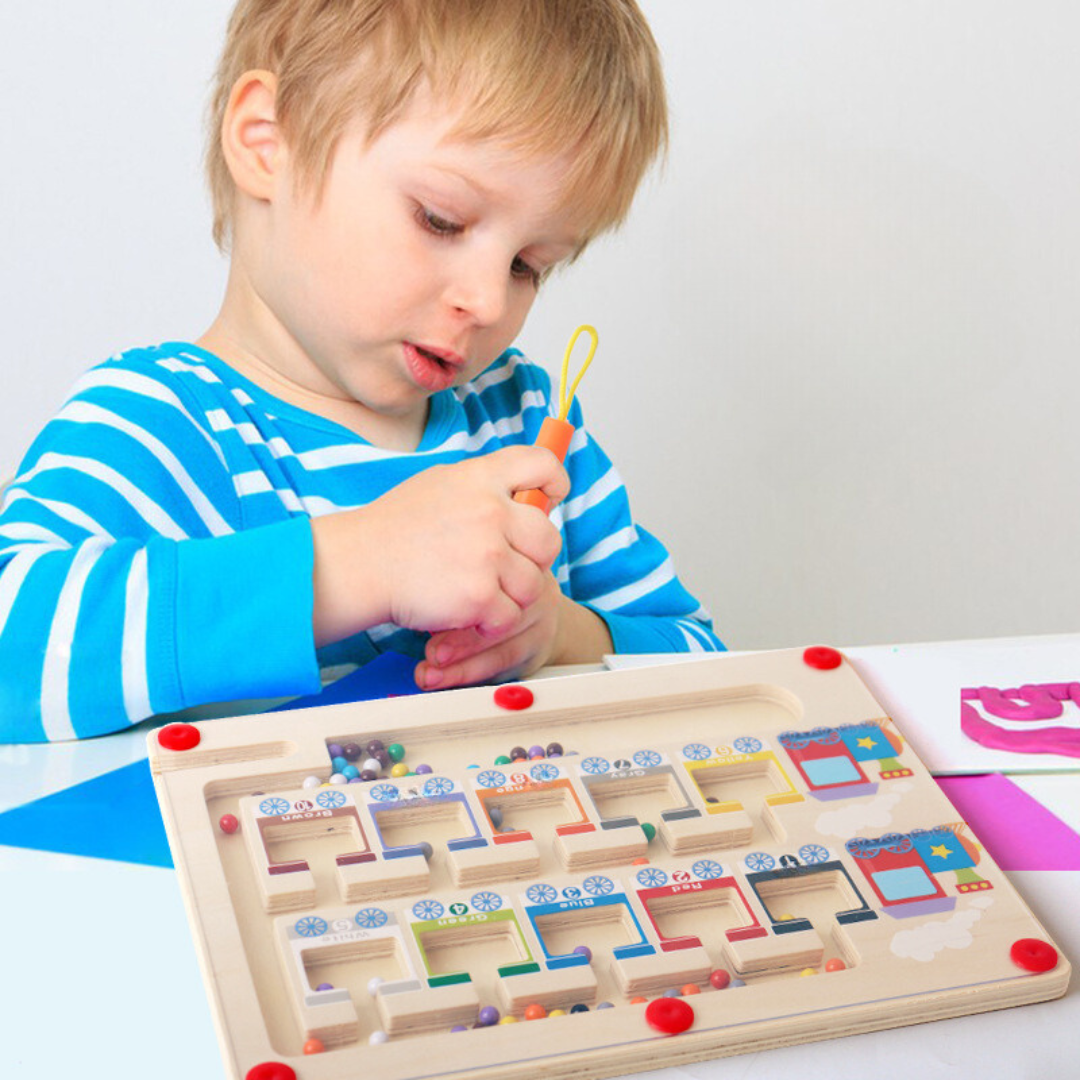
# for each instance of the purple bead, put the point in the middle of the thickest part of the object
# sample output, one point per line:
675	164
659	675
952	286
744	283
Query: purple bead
583	950
536	751
367	775
423	770
382	757
356	779
673	993
325	986
335	749
554	749
488	1015
350	751
459	1027
375	746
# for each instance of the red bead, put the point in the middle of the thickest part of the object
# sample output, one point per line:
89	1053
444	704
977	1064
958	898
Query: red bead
229	823
179	736
270	1070
669	1015
822	657
719	978
1033	955
513	697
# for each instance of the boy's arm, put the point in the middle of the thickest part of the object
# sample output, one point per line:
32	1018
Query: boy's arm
619	570
127	587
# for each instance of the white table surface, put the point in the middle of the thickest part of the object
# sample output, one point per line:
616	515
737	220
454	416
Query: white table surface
100	976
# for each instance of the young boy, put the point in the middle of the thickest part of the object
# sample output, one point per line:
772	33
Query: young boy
328	472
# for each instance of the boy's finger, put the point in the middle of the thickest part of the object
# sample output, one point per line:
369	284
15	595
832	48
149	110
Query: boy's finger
532	468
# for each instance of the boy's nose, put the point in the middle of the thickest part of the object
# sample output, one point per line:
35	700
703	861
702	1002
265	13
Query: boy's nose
480	292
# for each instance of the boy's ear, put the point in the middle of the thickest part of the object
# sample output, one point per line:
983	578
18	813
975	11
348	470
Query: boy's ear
250	137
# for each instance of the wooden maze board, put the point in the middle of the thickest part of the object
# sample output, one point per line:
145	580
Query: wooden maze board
795	835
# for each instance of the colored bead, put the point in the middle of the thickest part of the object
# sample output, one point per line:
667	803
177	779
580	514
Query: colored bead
335	750
487	1016
640	861
822	657
311	781
373	985
396	751
351	751
554	749
508	1020
367	775
669	1015
325	986
807	971
536	751
179	736
351	772
518	752
459	1027
496	816
377	1038
649	830
372	765
502	759
1033	955
423	770
579	1008
383	758
339	764
228	823
513	697
314	1046
375	746
835	964
690	988
605	1005
270	1070
426	849
535	1012
557	1012
638	1000
400	769
583	950
356	779
672	993
719	979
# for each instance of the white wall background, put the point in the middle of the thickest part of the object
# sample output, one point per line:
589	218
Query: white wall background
839	336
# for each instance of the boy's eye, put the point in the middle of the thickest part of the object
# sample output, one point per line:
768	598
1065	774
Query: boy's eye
435	224
519	268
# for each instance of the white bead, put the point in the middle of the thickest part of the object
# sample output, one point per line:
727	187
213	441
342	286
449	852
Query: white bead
311	781
373	985
377	1037
337	778
373	764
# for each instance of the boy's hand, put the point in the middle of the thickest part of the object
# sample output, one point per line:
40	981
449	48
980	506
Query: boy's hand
554	629
446	549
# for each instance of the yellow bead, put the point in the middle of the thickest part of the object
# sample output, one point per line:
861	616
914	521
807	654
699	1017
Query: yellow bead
808	971
400	769
557	1012
508	1020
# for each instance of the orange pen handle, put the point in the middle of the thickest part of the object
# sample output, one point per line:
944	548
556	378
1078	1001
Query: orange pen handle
555	435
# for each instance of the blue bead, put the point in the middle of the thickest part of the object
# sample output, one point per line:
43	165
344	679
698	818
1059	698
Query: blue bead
339	764
351	772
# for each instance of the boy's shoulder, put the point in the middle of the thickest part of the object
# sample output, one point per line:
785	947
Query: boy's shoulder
512	377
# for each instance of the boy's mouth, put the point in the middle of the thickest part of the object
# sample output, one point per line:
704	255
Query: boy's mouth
433	369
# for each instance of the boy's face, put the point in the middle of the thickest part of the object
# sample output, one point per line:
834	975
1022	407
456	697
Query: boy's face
414	270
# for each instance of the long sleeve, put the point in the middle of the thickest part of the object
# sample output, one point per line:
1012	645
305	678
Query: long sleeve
128	577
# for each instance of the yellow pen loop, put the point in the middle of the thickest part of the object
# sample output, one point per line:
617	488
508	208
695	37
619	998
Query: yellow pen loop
565	401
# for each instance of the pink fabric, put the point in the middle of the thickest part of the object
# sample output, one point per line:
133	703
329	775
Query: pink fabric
1017	831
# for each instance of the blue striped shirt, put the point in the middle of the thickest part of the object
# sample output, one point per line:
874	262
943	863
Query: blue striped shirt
156	550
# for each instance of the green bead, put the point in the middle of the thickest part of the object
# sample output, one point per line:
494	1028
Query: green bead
648	830
396	751
502	759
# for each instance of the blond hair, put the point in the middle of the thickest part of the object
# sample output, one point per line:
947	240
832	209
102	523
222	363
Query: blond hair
550	77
